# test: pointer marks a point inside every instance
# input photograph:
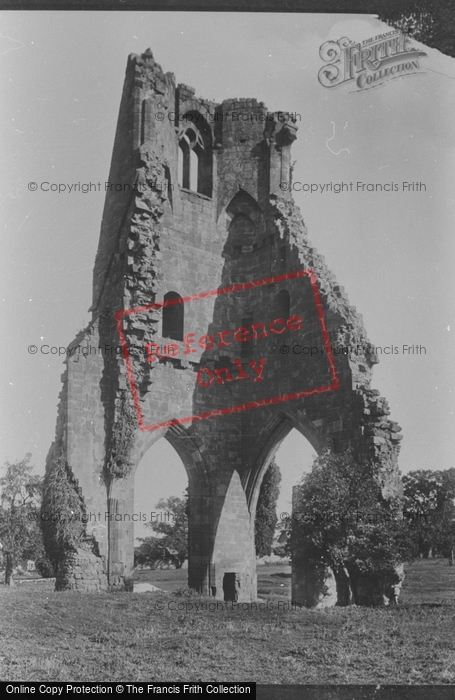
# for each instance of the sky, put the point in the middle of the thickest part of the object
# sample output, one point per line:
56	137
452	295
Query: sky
61	77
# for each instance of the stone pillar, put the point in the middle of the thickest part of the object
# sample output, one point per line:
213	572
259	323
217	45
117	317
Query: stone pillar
233	561
121	535
221	558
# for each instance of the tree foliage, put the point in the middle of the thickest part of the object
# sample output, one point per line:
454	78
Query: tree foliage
430	510
283	549
432	22
266	517
341	520
20	533
171	524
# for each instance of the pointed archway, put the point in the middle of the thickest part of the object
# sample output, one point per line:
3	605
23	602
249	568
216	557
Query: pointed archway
159	476
293	459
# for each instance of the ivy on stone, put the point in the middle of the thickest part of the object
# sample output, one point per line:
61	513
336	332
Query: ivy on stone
62	511
119	464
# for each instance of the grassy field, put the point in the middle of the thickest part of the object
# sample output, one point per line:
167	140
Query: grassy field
428	582
274	581
162	636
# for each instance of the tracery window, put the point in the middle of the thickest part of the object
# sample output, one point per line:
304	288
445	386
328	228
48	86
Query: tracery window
195	156
191	148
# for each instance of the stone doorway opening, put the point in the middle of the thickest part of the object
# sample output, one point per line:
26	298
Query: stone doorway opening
229	586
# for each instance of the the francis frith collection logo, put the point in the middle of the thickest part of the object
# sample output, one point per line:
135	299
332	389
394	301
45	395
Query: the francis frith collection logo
369	63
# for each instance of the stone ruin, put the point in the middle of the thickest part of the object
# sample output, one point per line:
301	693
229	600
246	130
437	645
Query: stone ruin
204	273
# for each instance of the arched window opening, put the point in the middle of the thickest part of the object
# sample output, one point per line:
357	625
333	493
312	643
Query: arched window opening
191	148
184	163
173	316
195	157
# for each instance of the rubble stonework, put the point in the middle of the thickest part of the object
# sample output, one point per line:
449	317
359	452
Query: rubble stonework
82	571
158	237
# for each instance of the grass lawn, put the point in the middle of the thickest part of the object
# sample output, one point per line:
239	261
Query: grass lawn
49	636
274	580
429	581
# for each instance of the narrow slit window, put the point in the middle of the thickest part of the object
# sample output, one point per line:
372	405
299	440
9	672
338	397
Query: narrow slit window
184	163
173	316
194	170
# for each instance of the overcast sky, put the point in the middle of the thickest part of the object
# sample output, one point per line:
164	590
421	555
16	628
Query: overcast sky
62	75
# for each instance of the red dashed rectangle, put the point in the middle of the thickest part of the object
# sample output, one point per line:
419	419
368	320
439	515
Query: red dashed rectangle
240	407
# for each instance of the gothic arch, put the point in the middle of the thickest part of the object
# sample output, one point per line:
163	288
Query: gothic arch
195	143
185	446
245	225
189	452
244	203
265	450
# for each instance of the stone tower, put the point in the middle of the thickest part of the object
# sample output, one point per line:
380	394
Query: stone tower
204	288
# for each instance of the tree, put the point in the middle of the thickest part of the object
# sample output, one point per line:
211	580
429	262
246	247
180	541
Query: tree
20	533
171	524
283	549
430	510
341	521
431	22
266	517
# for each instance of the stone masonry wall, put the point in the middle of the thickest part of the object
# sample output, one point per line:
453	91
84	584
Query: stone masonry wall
82	571
234	227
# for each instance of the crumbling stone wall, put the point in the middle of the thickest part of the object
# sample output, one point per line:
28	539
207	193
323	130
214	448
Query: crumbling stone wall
81	570
233	227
